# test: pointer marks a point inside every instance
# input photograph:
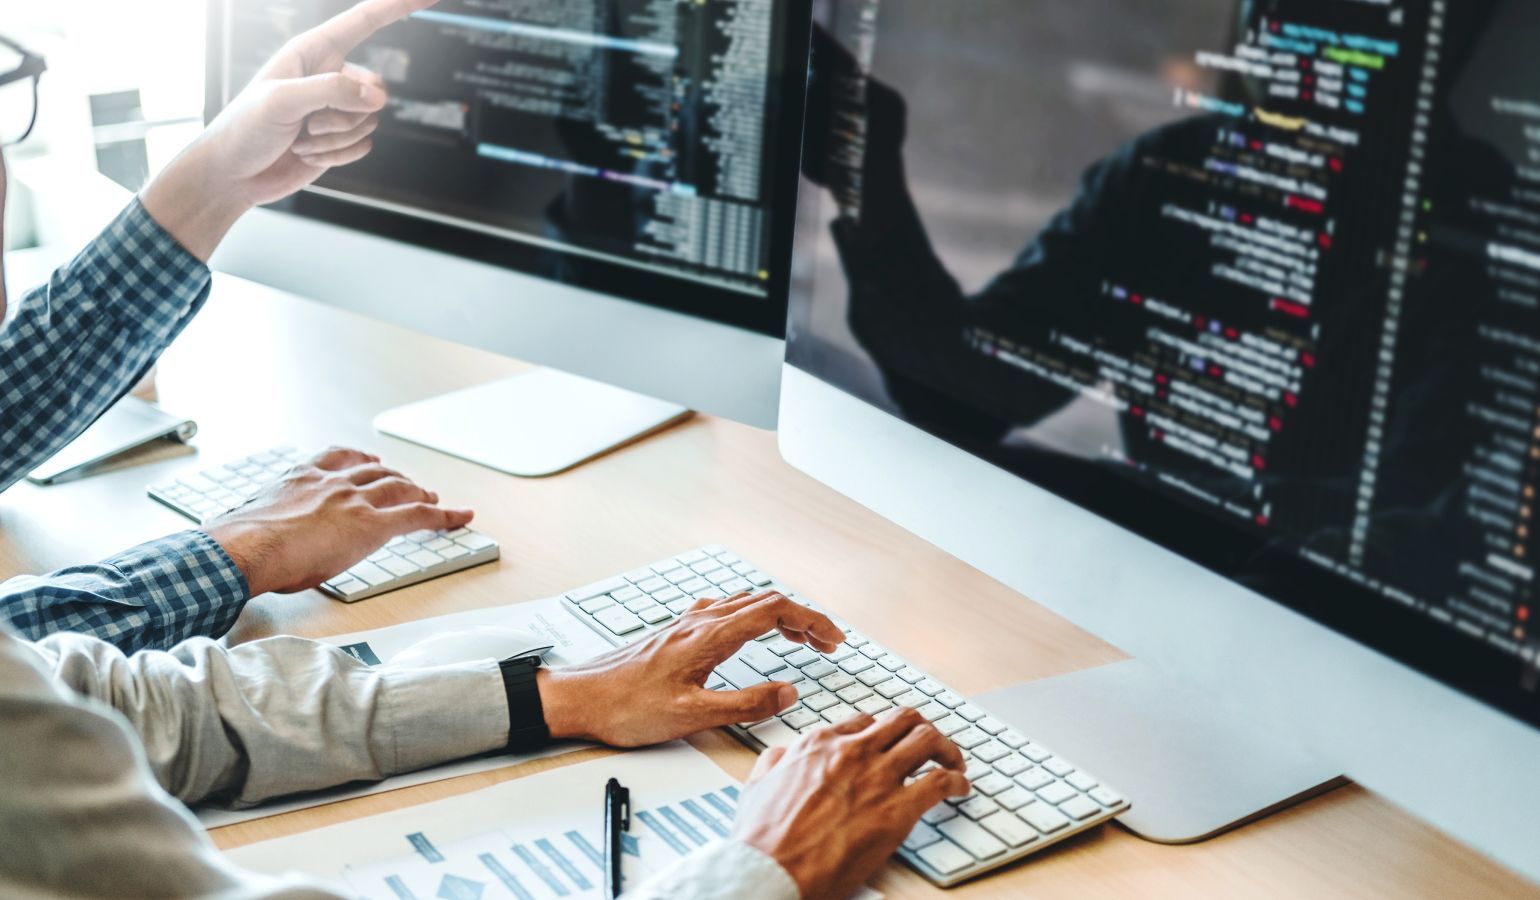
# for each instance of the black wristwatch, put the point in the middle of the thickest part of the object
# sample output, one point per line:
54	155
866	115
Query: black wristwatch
527	730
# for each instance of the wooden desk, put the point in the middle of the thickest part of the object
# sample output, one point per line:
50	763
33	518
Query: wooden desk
259	369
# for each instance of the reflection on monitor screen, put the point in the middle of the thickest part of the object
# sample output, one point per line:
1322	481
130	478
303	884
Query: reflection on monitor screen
1258	280
638	134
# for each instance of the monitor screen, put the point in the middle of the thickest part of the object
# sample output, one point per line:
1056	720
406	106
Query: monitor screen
642	148
1258	280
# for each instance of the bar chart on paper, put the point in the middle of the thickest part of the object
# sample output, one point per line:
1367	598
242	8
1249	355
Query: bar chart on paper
529	839
526	864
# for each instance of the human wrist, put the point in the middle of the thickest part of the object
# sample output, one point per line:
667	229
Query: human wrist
561	698
193	202
248	549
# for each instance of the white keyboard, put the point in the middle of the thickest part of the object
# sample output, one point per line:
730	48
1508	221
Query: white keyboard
407	560
1024	797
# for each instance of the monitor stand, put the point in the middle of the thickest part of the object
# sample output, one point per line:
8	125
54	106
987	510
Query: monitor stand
1190	772
531	425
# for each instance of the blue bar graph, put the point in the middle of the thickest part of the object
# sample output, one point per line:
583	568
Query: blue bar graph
658	828
555	855
587	849
731	792
706	818
540	870
682	826
424	847
399	888
720	805
509	880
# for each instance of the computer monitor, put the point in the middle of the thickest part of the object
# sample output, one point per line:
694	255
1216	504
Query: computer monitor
1214	326
602	187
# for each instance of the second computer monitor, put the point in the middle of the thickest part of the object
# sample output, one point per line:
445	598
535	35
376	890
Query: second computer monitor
640	150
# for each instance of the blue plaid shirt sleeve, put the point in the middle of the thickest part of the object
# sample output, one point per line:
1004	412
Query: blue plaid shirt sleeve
74	347
149	598
79	343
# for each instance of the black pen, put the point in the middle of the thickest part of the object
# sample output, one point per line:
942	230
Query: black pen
617	820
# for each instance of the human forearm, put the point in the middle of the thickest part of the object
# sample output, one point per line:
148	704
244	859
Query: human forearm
284	715
149	597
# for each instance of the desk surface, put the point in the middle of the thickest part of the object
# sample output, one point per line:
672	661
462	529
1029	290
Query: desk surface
259	369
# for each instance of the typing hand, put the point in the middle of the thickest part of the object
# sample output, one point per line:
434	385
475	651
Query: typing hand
323	517
654	690
833	807
307	111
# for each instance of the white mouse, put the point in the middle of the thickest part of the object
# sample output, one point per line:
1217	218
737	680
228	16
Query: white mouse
481	642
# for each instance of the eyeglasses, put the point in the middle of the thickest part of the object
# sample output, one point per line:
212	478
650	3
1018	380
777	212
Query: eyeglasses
32	66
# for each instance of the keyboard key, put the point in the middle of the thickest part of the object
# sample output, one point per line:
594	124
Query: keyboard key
723	577
1008	828
474	541
840	654
1105	797
819	669
637	604
758	579
970	712
872	651
738	673
820	701
873	677
678	607
801	718
760	659
951	725
437	544
991	783
991	750
453	551
596	589
930	687
421	535
1056	793
949	700
626	594
1057	766
680	576
922	835
990	725
1043	817
939	813
945	857
854	693
913	699
1030	751
839	713
1080	781
619	620
349	587
873	705
695	586
803	657
773	733
370	573
397	566
735	586
1012	765
836	682
379	554
1012	739
655	615
934	711
668	595
1015	798
975	770
691	558
911	674
969	738
1080	807
968	835
1033	778
592	606
978	807
653	584
857	664
891	688
891	663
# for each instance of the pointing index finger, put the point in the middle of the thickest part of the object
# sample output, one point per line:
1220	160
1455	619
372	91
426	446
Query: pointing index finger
342	33
757	616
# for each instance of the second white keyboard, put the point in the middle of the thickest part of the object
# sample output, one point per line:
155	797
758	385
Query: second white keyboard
405	561
1024	797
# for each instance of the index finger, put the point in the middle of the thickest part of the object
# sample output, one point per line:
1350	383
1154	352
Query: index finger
755	617
342	33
